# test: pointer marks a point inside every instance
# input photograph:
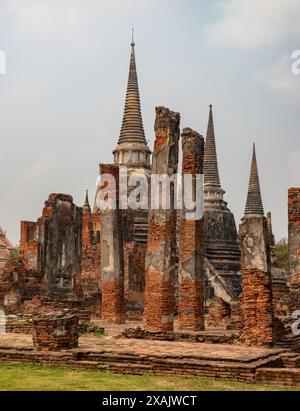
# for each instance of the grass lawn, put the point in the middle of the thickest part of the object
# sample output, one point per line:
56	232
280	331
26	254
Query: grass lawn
49	378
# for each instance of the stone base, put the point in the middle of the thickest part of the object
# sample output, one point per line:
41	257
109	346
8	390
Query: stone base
213	361
233	362
208	336
55	332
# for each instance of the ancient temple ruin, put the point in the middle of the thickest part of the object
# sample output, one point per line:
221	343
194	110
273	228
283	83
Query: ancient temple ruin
294	245
153	273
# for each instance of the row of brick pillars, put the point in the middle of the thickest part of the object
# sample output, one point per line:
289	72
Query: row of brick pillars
161	247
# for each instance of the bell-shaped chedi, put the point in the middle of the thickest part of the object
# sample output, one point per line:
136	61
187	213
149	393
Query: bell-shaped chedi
132	149
221	240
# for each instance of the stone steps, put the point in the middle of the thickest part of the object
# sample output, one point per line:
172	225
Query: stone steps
289	341
82	313
291	360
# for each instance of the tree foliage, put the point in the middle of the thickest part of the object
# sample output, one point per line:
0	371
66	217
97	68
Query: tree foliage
282	254
15	252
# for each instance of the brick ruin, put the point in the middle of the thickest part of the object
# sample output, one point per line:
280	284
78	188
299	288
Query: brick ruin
91	252
116	265
160	257
112	262
257	305
50	257
191	243
294	245
55	331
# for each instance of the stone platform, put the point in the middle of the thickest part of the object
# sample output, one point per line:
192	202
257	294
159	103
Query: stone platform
211	336
182	358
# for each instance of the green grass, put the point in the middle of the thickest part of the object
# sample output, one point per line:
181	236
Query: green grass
50	378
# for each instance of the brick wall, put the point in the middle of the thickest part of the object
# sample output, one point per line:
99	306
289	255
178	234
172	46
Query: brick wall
91	255
294	236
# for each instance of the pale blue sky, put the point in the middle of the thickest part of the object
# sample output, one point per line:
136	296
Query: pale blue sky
61	102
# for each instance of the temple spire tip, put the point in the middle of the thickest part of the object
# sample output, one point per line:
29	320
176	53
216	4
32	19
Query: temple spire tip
254	203
86	205
211	170
132	130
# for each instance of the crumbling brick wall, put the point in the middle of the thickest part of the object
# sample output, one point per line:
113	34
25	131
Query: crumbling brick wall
219	313
50	261
55	331
134	272
294	244
91	254
30	246
12	285
60	236
134	264
282	302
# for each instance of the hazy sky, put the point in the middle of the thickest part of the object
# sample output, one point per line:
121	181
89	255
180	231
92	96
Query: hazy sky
61	101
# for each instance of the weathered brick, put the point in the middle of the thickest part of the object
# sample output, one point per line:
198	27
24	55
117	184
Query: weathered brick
191	243
55	331
160	257
257	304
294	236
112	262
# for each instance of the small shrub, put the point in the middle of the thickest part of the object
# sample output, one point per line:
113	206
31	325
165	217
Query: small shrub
92	328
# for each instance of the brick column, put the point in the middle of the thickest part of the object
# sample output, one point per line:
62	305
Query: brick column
257	284
161	245
112	265
191	245
294	245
